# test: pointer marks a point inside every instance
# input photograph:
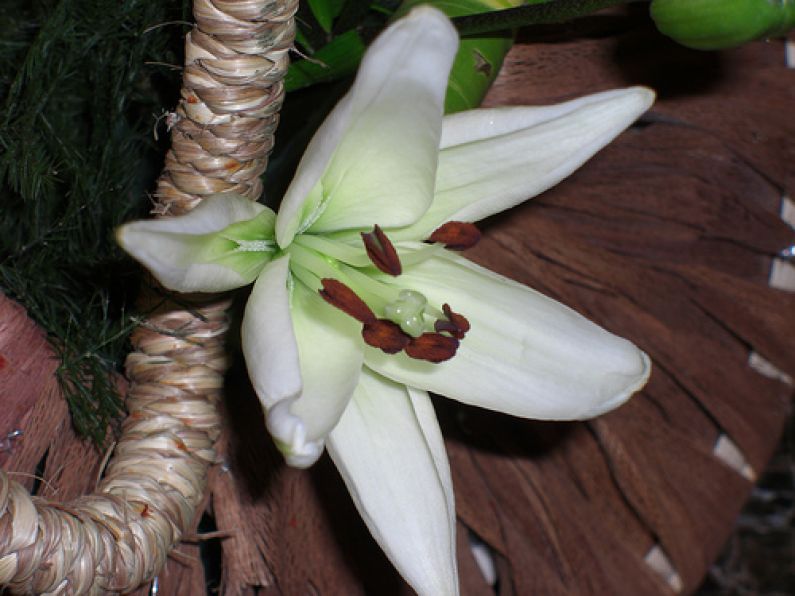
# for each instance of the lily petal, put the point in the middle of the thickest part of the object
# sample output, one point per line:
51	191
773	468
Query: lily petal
190	253
389	451
525	354
373	160
272	360
493	159
330	356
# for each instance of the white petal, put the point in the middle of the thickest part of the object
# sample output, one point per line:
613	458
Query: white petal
330	356
526	354
374	158
486	123
496	158
179	251
390	453
271	353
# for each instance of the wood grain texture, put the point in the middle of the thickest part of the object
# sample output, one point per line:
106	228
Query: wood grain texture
666	237
48	452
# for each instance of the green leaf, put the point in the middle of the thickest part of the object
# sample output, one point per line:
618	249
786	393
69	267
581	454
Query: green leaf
479	59
476	66
337	59
325	11
303	41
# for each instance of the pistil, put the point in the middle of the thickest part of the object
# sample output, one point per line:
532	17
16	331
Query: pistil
407	311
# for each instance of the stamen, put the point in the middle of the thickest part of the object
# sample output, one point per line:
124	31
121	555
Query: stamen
391	337
432	347
381	251
339	295
378	333
385	335
456	325
456	235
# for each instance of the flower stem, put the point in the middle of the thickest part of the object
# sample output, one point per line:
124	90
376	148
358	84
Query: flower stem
554	11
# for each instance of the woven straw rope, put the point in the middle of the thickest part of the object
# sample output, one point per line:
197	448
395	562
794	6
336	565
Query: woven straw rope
120	537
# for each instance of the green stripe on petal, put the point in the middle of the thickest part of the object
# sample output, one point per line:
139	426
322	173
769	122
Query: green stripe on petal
525	354
271	352
389	451
373	160
330	356
222	244
304	358
494	159
352	253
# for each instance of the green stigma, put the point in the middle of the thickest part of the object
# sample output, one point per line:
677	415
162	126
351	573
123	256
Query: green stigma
407	312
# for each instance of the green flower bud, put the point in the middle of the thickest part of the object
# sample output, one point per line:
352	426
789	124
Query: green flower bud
716	24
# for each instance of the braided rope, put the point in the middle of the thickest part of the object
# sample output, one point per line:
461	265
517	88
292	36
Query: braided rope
120	537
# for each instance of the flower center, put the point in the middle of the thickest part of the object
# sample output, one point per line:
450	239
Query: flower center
407	323
407	311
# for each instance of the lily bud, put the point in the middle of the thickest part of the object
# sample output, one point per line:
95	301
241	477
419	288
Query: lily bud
717	24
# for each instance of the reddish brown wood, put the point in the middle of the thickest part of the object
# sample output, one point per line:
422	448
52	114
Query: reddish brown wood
23	369
666	237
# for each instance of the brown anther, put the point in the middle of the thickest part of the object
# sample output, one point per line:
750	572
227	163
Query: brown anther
456	235
446	327
456	325
385	335
432	347
339	295
381	251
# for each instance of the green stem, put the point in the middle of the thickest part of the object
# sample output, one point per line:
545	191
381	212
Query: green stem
554	11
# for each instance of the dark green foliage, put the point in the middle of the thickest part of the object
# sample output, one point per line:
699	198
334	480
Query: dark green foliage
77	156
333	33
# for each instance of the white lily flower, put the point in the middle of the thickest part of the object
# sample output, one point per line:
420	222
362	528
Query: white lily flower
345	331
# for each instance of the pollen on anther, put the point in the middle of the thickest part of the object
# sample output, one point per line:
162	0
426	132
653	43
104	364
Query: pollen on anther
339	295
432	347
382	252
459	321
456	235
385	335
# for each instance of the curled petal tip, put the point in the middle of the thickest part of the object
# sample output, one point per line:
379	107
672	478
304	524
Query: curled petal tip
646	96
636	381
289	434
